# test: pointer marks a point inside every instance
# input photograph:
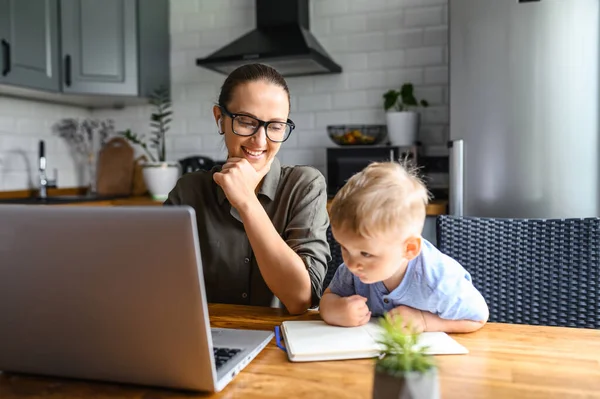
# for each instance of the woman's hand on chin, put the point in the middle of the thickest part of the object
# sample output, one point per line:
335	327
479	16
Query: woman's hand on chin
239	180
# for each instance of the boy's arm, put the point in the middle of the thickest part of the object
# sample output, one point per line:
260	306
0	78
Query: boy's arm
462	310
423	320
456	305
340	305
436	323
453	304
331	307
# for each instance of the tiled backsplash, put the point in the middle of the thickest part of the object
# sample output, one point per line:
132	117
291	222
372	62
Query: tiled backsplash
379	43
22	124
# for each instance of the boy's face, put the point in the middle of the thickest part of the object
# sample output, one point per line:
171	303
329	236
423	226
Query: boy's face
381	258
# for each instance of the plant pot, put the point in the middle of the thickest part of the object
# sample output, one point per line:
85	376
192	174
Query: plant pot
411	385
160	178
403	127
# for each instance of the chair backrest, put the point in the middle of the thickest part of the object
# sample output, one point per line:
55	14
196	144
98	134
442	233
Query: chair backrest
194	163
530	271
336	258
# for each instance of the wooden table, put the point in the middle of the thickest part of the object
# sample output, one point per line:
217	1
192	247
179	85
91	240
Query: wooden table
505	361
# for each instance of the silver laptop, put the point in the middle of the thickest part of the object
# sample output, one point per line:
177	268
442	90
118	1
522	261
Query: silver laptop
112	294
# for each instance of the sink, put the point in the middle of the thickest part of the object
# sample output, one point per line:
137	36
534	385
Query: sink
56	199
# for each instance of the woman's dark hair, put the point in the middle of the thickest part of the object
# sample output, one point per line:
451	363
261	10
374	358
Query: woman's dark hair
250	73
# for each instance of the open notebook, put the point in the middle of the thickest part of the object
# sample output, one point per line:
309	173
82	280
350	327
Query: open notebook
308	341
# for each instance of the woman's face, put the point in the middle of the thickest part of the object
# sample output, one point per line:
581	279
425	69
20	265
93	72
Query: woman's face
262	100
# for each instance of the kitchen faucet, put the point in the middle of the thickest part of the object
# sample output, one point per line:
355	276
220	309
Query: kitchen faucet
44	182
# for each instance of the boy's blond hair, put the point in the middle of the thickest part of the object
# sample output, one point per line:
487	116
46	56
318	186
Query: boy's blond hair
385	197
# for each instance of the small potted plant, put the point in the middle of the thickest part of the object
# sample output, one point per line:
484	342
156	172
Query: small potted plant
402	119
403	370
160	176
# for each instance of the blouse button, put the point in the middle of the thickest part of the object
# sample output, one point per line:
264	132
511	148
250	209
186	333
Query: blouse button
385	300
244	295
246	260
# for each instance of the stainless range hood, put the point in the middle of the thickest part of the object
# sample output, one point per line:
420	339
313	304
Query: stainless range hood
281	39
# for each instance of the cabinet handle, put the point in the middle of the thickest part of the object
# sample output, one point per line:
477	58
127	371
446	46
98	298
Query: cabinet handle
68	70
5	57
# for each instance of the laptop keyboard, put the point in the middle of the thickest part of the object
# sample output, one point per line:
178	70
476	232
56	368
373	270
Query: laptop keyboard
223	355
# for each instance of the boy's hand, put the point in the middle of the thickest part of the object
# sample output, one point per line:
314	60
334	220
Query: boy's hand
355	311
412	316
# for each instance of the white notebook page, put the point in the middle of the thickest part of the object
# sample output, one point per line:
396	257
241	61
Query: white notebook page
316	340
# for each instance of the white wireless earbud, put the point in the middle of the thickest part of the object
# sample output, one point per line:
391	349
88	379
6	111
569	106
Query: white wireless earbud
221	126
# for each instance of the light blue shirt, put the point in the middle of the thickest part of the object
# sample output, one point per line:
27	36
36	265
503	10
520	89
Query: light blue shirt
433	282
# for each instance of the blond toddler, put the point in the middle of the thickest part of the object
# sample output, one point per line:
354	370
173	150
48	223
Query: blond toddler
377	219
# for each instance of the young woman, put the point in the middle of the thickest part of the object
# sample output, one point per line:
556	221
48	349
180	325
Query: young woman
262	226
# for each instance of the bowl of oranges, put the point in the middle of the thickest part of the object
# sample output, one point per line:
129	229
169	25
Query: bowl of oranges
357	134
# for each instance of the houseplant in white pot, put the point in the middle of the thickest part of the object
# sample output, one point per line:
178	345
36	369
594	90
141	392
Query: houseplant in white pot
402	118
160	175
403	370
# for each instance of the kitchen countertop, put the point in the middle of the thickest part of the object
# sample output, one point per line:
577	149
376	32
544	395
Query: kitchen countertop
435	207
136	201
51	192
81	192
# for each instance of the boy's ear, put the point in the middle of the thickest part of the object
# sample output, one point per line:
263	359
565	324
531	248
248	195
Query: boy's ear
412	247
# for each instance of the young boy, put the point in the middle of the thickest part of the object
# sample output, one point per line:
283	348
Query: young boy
377	219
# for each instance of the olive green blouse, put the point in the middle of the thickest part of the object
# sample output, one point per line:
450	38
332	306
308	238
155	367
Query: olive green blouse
295	199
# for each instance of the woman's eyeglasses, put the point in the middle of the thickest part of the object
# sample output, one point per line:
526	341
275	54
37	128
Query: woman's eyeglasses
245	125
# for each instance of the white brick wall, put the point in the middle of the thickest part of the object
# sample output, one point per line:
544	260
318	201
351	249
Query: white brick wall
22	124
379	43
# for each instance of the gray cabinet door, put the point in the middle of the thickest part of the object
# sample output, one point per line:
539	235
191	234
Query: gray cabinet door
99	46
29	44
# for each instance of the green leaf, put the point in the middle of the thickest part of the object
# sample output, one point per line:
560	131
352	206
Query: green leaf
160	99
409	101
400	353
133	137
390	99
407	93
402	99
407	90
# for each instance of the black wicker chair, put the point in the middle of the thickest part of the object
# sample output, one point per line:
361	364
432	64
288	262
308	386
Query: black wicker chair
336	258
530	271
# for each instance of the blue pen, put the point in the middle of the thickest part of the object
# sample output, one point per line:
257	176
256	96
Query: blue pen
278	340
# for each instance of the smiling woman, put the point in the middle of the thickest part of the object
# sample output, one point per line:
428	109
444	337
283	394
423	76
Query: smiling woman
262	226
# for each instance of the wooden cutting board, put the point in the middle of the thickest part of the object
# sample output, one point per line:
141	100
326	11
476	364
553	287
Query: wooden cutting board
115	168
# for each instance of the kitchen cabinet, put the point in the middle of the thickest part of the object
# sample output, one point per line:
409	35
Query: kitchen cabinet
99	46
115	47
86	52
29	51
